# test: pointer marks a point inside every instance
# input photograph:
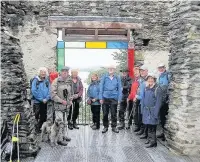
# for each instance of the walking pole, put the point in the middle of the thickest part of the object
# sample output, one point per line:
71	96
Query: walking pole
15	139
71	121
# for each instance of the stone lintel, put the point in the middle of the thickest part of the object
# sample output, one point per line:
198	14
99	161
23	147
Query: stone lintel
92	22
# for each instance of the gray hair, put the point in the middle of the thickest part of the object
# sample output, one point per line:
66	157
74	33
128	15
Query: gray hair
43	69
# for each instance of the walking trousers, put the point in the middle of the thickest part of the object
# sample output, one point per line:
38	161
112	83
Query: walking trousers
40	111
75	114
96	114
110	105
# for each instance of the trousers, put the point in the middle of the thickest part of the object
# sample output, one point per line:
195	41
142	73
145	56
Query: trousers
110	105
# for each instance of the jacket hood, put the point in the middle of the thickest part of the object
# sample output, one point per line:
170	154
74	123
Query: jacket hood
38	78
62	80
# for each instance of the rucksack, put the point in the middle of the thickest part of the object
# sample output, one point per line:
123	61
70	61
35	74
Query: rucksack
164	92
37	86
6	144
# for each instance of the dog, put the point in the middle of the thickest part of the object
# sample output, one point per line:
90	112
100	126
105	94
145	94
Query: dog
52	130
56	131
46	129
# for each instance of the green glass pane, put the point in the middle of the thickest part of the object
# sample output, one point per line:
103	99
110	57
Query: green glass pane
60	58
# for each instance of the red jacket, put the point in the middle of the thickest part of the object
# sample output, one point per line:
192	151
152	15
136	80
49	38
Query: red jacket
134	89
53	76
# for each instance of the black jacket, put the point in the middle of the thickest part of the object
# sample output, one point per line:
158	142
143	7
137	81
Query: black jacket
126	86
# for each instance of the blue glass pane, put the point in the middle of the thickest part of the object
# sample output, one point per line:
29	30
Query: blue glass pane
60	44
117	45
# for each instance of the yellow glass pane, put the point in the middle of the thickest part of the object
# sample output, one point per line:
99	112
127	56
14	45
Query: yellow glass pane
95	44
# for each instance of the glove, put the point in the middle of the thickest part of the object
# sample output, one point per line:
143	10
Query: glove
89	102
75	96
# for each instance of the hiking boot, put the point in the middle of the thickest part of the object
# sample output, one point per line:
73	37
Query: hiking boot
147	141
105	129
114	129
62	143
70	126
95	127
143	136
140	132
136	129
151	145
67	139
160	135
75	126
92	125
121	126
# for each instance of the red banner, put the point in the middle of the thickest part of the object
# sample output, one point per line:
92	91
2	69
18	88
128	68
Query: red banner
131	62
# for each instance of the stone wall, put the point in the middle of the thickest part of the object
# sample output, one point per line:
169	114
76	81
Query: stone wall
184	63
38	41
28	21
13	81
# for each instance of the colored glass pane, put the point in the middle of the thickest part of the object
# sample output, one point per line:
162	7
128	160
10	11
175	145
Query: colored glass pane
95	44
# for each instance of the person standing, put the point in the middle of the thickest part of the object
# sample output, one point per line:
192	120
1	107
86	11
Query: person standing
53	75
126	86
142	84
93	100
77	88
40	89
136	102
110	95
61	93
163	81
152	101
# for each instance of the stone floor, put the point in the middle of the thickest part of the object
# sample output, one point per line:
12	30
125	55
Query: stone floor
93	146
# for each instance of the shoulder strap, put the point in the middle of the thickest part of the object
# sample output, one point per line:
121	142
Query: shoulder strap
156	90
37	82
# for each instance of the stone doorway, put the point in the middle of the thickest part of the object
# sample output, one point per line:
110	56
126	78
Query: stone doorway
94	33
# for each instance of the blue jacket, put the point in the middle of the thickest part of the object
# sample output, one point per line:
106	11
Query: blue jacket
152	102
40	89
164	79
93	92
111	89
142	85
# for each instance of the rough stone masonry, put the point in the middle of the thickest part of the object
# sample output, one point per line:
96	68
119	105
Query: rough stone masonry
184	63
162	21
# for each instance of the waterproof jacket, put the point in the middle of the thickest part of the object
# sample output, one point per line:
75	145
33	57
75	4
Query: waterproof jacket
110	89
163	79
142	85
152	102
126	86
40	89
78	87
134	89
93	92
58	89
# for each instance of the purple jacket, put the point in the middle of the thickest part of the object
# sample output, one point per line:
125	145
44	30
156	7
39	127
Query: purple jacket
79	87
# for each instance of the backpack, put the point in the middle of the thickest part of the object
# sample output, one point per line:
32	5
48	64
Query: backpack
164	92
37	86
6	144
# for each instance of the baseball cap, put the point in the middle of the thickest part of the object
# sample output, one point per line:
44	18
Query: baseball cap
65	68
161	65
143	67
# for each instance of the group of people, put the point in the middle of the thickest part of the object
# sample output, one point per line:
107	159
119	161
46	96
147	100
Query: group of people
57	96
143	98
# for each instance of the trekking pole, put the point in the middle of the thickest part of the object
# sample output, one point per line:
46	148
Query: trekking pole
131	111
15	139
71	121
